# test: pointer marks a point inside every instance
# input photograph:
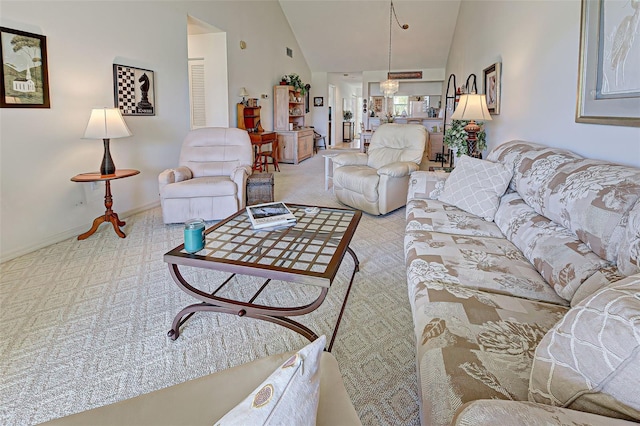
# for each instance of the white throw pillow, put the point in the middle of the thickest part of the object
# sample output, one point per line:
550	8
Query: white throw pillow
476	186
289	395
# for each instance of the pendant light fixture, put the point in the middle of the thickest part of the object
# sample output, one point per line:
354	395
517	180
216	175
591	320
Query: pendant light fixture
389	87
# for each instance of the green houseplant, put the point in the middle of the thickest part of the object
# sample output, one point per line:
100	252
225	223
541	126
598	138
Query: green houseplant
455	137
295	81
347	115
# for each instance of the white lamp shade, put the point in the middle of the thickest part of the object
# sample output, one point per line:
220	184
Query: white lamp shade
243	92
472	107
106	123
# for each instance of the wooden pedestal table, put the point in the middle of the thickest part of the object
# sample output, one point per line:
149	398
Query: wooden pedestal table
109	215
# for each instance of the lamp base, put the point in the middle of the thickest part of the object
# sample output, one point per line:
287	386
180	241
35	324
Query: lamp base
107	167
472	129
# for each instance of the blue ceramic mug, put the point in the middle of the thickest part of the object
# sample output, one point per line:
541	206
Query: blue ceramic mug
193	235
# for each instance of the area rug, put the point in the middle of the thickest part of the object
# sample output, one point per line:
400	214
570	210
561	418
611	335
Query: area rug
85	322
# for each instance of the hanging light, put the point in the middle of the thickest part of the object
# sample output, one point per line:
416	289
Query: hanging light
389	87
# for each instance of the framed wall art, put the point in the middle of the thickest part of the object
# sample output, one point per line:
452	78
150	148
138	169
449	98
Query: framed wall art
24	74
608	77
134	90
318	101
492	87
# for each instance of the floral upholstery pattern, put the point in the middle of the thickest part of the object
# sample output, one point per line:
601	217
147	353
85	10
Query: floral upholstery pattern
490	264
589	360
563	261
629	254
426	184
493	412
473	345
592	198
432	215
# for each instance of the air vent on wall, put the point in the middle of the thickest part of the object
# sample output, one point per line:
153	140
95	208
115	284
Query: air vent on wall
289	52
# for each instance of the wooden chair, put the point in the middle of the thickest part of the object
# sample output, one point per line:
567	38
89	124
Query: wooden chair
270	153
317	137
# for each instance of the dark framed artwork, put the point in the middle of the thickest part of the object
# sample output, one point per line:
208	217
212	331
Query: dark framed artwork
492	87
608	78
24	73
134	90
318	101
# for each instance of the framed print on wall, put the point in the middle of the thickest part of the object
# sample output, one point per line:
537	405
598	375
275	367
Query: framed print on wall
134	92
608	78
24	74
492	87
318	101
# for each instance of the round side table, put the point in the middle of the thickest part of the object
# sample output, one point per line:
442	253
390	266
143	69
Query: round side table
109	215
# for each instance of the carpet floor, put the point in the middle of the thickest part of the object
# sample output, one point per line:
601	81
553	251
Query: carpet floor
85	322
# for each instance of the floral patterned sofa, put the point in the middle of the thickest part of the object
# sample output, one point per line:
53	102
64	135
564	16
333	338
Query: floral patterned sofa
539	308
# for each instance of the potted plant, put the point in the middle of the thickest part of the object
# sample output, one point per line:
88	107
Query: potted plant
294	80
455	137
347	115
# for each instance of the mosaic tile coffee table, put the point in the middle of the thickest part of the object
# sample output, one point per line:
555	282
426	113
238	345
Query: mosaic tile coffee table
309	252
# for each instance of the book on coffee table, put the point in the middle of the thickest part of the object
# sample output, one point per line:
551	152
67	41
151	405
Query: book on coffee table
270	215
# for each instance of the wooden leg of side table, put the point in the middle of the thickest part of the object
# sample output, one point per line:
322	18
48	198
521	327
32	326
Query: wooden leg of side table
108	216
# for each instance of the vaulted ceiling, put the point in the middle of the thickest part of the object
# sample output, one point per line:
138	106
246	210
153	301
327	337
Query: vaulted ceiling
353	36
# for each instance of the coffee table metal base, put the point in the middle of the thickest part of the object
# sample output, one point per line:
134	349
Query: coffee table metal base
278	315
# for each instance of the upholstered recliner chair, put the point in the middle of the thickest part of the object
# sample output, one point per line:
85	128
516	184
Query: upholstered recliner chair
211	178
377	182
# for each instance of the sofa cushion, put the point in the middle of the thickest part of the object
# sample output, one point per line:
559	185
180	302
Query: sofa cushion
490	264
209	186
589	360
590	197
493	412
432	215
359	179
558	255
289	395
473	345
476	186
425	184
629	254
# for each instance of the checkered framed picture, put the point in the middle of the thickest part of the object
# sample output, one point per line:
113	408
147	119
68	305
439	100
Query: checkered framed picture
134	90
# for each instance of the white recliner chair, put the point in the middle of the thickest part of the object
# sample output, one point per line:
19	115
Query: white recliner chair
377	182
211	179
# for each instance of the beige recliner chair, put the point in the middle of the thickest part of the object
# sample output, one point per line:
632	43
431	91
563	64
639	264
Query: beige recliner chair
211	179
377	182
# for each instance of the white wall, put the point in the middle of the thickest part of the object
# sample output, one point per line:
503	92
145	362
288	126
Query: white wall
41	149
538	45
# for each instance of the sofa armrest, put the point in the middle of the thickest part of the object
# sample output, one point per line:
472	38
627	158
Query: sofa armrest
350	159
173	175
239	177
426	184
500	412
398	169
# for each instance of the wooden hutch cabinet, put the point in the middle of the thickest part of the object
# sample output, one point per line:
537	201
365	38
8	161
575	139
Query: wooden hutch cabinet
295	140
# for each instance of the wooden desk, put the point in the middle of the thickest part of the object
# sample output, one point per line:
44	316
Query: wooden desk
258	139
109	215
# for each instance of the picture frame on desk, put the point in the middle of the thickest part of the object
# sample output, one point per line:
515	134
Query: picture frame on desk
24	72
608	91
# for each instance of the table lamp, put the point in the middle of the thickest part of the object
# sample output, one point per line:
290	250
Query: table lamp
472	107
105	124
244	94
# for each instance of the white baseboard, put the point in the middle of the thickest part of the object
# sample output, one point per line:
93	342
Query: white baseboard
71	233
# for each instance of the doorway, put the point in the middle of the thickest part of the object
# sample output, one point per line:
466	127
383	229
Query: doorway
208	82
